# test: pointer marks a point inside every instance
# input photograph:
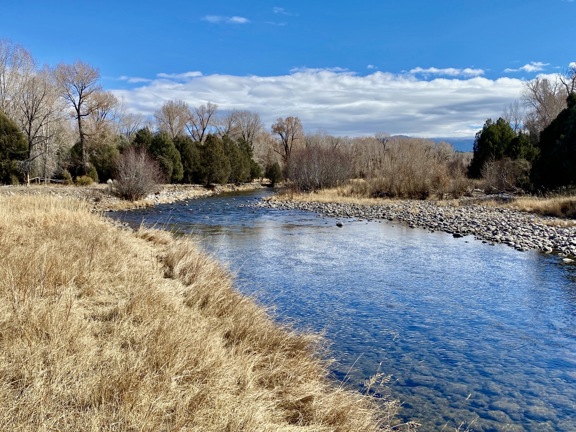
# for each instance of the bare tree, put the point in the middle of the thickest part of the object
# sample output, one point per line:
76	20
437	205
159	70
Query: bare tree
172	118
38	108
290	133
79	85
545	99
127	124
101	110
569	79
16	64
249	125
514	115
200	121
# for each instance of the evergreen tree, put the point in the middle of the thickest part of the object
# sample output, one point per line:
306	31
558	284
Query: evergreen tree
215	164
556	164
492	143
190	155
143	139
164	151
239	161
13	148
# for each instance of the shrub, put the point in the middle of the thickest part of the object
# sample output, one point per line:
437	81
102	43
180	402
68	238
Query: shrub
409	168
274	173
84	180
319	167
67	177
137	175
506	175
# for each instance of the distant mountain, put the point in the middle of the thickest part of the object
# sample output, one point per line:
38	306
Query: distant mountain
459	144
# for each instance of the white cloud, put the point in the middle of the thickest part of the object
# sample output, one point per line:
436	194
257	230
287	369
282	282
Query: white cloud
134	80
452	72
219	19
341	102
282	11
530	67
181	76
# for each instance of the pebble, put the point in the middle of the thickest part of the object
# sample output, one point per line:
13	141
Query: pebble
520	230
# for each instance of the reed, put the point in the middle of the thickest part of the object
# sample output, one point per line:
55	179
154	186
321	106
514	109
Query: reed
103	329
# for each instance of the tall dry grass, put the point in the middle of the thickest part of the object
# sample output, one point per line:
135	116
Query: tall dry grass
560	206
104	330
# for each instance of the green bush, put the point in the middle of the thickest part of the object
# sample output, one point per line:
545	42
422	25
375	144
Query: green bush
84	180
13	148
274	173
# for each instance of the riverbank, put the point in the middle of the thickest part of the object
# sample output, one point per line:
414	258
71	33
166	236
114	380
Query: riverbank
105	328
489	223
101	198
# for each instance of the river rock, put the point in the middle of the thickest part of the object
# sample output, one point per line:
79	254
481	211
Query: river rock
520	230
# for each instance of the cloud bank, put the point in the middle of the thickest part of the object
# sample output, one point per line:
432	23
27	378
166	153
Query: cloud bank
342	103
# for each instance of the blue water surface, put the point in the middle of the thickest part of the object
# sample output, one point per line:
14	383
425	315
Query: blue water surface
474	336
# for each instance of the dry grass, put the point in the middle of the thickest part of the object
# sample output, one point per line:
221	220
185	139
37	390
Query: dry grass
104	330
345	194
559	207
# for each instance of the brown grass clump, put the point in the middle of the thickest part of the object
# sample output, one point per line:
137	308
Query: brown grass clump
559	207
103	330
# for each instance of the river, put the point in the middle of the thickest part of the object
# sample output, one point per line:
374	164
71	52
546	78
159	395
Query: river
473	336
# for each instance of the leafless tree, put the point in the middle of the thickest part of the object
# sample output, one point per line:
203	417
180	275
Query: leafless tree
172	117
16	64
79	84
127	124
514	115
569	79
290	133
200	121
544	99
101	110
38	107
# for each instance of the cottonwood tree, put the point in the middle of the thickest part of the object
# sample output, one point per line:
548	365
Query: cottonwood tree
172	118
200	121
568	80
38	108
515	116
241	125
16	65
290	133
545	99
79	85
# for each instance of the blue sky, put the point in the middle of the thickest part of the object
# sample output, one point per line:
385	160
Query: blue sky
416	67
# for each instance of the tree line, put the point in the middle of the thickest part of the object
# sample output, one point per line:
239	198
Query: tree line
59	124
531	149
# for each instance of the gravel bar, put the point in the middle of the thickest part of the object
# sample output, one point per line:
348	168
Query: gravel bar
520	230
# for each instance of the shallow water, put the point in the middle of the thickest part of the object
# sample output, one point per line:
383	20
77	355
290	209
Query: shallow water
473	335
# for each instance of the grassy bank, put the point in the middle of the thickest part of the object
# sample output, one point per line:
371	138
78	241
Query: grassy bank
103	329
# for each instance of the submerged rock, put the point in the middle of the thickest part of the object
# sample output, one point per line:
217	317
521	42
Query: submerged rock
520	230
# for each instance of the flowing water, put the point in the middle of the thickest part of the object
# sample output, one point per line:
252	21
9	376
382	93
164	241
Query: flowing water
474	336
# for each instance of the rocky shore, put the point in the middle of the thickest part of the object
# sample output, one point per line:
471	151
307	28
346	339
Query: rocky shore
520	230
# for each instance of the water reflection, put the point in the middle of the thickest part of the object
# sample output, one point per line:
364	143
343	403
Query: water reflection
469	332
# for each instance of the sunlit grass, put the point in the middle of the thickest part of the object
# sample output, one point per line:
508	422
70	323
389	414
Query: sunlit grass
102	329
